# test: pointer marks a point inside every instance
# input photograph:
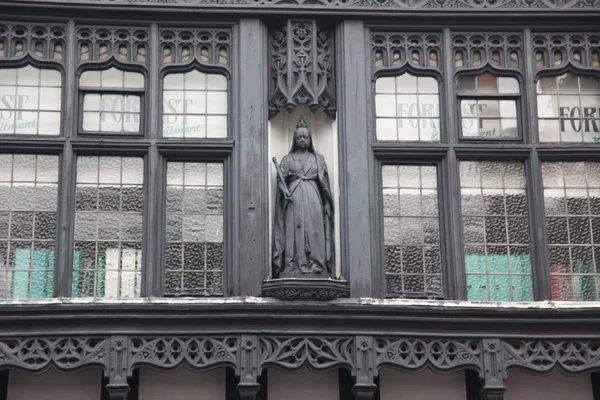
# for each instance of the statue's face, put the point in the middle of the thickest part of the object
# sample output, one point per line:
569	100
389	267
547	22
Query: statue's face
301	138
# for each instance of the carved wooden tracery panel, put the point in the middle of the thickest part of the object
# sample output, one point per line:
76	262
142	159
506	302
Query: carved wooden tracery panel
42	42
315	353
97	44
439	355
65	354
395	50
211	47
474	51
571	357
554	51
301	67
199	353
384	4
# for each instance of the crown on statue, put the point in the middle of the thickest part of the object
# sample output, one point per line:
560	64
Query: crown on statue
301	123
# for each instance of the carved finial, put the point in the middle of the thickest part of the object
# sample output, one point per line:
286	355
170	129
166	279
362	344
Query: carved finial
301	123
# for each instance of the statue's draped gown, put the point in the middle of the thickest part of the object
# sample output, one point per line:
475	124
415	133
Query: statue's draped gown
303	230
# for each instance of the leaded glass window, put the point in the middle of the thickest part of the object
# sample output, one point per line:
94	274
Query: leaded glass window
30	101
194	105
411	231
572	206
194	249
407	108
108	227
569	108
488	106
28	203
112	101
496	231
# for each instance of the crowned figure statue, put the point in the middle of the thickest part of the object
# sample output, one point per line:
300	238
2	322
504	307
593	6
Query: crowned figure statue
303	245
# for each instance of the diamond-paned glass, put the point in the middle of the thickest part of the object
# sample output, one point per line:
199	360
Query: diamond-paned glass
572	207
28	203
496	231
407	108
195	105
194	235
108	227
106	112
482	114
569	108
411	231
30	101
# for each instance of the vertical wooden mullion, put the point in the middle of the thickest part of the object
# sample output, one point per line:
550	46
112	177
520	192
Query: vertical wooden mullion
153	226
535	187
68	162
455	286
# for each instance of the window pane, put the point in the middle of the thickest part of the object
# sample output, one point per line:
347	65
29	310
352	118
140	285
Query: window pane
496	231
569	109
407	109
489	118
111	113
411	231
108	227
195	105
28	202
194	252
30	101
572	207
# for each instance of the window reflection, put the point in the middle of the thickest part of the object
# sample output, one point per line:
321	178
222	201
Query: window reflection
407	109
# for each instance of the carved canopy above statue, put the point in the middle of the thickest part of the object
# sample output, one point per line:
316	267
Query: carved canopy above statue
301	67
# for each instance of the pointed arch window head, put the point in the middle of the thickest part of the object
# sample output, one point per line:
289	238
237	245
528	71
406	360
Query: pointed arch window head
489	106
112	102
407	108
569	108
195	105
30	101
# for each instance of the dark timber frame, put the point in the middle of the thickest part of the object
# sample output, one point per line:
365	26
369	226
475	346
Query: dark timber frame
490	339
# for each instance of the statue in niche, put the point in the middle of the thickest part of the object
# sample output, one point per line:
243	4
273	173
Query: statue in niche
303	245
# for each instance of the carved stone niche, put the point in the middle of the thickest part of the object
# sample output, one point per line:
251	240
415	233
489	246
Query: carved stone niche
305	240
301	67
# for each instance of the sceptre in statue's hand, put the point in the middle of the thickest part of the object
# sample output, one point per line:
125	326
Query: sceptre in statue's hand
284	188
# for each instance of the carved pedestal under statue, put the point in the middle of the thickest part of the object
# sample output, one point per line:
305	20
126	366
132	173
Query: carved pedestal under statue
303	247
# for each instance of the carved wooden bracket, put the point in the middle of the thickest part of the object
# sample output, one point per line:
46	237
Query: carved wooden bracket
302	67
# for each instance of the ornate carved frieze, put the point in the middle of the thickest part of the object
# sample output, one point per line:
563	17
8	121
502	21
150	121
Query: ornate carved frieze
395	50
198	353
474	50
210	47
64	354
440	355
315	353
450	5
554	51
128	45
572	357
42	42
302	67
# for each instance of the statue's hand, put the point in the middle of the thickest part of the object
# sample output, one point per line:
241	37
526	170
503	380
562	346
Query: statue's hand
288	197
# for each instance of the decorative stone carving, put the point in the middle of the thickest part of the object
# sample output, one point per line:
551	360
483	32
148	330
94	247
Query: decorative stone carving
198	353
302	67
555	51
440	355
209	47
493	387
318	354
395	50
248	369
127	45
474	50
65	354
117	386
544	356
42	42
364	368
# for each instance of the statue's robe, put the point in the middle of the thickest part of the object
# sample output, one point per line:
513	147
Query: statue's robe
303	229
